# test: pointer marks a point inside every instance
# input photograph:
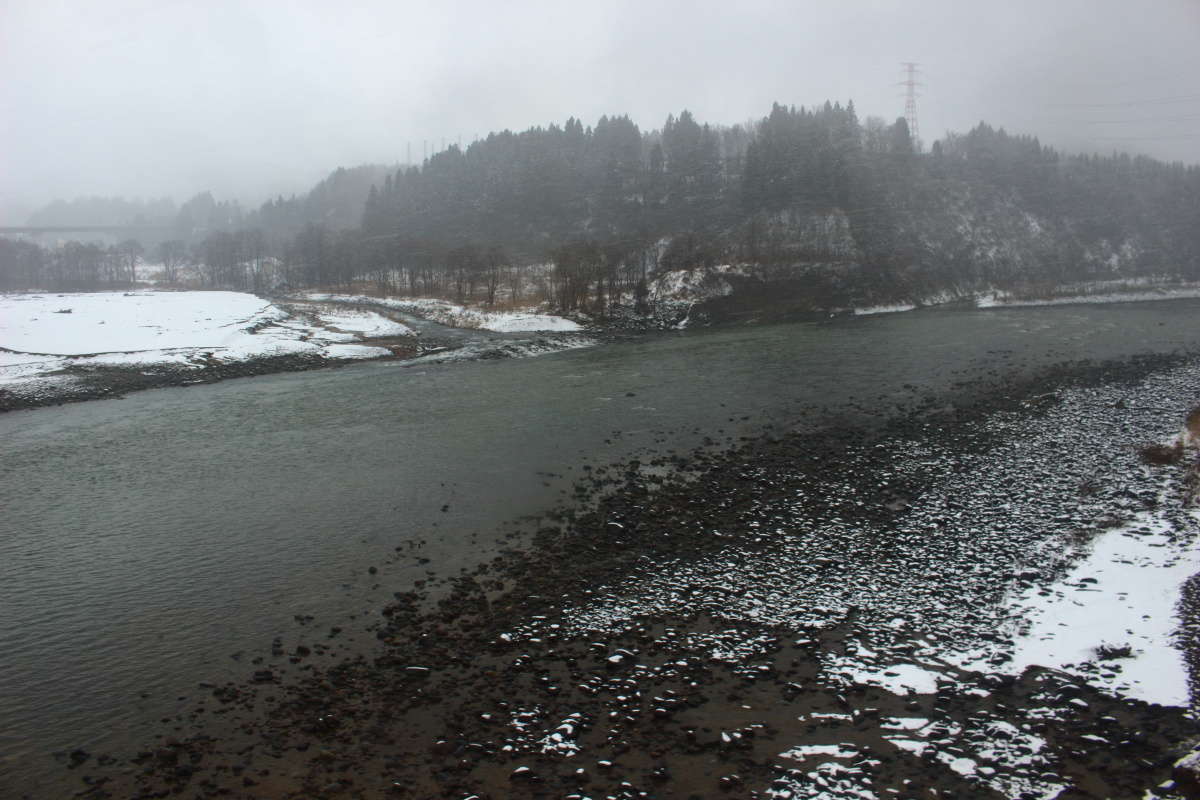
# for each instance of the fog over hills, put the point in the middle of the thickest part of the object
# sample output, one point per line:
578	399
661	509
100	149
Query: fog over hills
248	101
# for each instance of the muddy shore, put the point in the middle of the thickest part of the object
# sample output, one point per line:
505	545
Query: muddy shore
705	626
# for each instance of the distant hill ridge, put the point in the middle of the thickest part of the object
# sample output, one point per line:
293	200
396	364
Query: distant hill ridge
848	210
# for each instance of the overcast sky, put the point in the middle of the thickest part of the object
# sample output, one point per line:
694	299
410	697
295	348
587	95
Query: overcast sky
250	98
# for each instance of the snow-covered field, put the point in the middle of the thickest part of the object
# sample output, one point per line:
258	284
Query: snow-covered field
43	333
457	316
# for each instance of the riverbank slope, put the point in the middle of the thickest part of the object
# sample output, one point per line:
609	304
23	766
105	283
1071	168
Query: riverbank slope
813	614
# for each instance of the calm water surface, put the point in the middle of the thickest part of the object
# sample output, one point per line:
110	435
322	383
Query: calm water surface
145	541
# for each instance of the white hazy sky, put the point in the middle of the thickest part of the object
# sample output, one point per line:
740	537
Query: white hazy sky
250	98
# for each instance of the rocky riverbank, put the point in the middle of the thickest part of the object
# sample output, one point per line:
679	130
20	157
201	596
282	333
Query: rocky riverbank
835	614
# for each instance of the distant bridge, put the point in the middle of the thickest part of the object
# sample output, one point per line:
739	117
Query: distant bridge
84	229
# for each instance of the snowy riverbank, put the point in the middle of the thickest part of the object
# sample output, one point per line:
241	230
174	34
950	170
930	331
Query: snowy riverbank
457	316
60	347
41	334
1099	292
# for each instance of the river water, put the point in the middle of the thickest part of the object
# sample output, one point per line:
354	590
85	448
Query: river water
151	543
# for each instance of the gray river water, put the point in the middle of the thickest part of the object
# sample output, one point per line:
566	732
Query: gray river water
145	541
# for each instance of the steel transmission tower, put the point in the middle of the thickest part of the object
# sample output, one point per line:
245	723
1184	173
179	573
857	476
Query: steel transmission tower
910	84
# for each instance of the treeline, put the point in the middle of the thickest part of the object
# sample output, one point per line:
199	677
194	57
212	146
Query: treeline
546	186
75	266
847	210
814	192
583	276
222	260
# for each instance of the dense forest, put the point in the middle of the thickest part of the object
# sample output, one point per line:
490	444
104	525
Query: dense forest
818	205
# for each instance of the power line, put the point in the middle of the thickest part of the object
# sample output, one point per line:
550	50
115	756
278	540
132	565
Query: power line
1149	138
1182	98
1130	121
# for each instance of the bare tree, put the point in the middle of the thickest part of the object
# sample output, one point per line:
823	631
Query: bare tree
254	252
516	278
131	253
493	269
172	254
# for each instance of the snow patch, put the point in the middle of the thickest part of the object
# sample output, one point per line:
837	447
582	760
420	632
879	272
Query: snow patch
354	351
447	313
363	323
884	309
1123	593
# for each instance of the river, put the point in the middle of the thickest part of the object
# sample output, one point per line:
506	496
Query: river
146	542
